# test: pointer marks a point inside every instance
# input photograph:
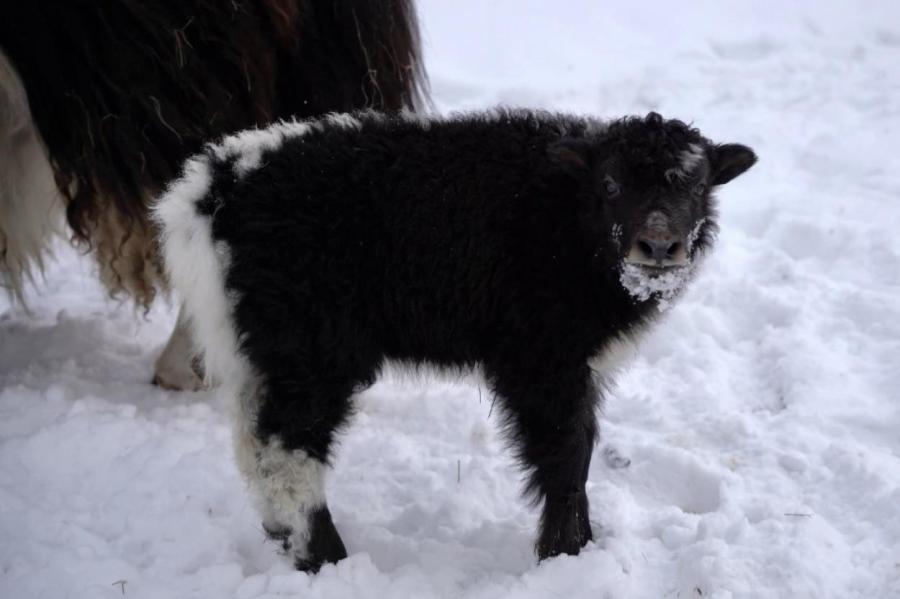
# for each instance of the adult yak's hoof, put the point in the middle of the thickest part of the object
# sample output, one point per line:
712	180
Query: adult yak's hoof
178	375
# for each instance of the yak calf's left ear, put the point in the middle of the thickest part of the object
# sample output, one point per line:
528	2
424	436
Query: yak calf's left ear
572	155
729	161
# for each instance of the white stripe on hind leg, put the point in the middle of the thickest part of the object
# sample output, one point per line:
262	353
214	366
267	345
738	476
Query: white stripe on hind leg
288	485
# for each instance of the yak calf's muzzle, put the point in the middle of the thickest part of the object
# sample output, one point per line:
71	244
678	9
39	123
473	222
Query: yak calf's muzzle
656	246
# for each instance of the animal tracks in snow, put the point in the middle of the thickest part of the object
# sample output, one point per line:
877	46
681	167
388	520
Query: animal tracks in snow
760	418
672	476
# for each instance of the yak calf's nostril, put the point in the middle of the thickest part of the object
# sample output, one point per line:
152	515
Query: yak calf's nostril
672	249
645	249
658	250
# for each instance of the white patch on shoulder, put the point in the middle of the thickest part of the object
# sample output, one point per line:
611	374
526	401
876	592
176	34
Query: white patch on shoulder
616	355
31	209
689	160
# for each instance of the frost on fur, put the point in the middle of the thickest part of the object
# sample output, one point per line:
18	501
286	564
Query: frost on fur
662	287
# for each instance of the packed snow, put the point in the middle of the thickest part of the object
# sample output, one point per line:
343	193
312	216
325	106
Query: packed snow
751	450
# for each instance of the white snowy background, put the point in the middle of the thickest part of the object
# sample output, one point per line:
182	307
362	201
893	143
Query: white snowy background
761	417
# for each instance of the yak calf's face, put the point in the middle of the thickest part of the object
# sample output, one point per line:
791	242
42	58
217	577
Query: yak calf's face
646	188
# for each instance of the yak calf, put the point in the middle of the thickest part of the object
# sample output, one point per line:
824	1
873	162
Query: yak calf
525	243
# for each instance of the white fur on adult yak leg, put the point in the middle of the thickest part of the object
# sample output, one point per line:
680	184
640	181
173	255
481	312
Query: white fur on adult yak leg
30	206
178	366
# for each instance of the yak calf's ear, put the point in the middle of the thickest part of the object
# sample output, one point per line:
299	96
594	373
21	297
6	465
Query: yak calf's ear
571	155
729	161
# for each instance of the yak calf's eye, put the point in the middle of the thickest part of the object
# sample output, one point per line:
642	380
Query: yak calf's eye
700	189
612	188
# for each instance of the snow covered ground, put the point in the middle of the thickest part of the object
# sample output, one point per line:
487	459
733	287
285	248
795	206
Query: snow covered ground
762	418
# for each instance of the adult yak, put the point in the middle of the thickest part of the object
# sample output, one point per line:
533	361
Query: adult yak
101	102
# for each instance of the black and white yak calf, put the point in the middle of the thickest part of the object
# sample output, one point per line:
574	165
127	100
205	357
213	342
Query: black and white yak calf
527	244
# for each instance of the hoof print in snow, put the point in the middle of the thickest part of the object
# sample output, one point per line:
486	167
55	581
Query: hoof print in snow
614	459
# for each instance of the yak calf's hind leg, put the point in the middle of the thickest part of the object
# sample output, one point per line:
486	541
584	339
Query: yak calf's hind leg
179	367
295	513
289	483
554	424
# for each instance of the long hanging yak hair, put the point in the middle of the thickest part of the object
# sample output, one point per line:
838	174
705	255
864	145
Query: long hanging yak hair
122	91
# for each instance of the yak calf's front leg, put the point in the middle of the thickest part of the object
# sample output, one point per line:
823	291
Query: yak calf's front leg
555	428
281	450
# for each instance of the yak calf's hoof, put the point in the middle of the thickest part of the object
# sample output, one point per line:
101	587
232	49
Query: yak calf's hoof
565	526
323	545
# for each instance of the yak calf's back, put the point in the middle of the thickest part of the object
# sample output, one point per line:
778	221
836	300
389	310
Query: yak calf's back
524	243
406	242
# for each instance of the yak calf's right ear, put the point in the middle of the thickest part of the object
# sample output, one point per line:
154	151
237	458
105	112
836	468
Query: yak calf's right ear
729	161
571	155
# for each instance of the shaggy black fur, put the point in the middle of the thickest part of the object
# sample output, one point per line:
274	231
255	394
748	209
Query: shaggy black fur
479	240
122	92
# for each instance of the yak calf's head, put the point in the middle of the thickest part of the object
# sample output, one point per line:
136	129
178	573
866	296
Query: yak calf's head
646	193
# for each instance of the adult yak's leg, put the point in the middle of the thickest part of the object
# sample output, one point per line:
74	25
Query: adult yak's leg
551	417
283	438
31	208
180	366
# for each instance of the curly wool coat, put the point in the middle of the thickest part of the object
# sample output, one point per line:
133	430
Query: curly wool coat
311	253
